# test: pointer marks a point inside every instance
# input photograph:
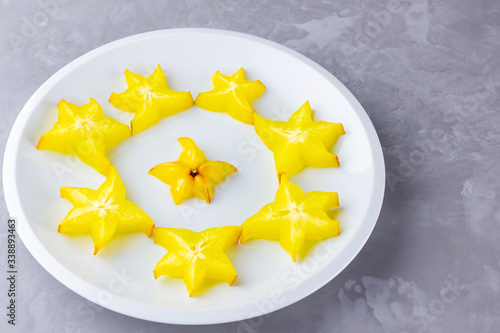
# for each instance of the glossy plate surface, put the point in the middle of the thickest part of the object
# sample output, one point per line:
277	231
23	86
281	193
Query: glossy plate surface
120	277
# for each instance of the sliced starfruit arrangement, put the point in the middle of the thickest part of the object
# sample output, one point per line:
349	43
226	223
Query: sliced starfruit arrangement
85	132
293	217
232	94
299	142
103	213
192	175
150	99
196	256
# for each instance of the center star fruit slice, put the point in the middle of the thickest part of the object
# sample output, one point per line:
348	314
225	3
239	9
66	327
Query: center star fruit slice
192	175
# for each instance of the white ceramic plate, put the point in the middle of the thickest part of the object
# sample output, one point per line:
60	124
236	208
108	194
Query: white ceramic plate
120	277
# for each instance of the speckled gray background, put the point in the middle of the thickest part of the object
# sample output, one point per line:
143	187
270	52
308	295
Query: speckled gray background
427	73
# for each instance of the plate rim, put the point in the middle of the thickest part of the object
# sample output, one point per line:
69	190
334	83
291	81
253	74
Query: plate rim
184	316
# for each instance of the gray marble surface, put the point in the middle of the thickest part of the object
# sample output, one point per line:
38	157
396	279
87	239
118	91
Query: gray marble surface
428	74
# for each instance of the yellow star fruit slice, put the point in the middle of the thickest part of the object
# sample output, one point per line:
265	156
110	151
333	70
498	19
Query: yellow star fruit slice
293	217
84	131
104	212
299	142
232	95
196	256
192	175
150	99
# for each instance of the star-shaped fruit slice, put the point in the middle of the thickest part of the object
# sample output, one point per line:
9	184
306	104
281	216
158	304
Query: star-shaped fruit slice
104	212
231	94
299	142
196	256
192	175
84	131
150	99
293	217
